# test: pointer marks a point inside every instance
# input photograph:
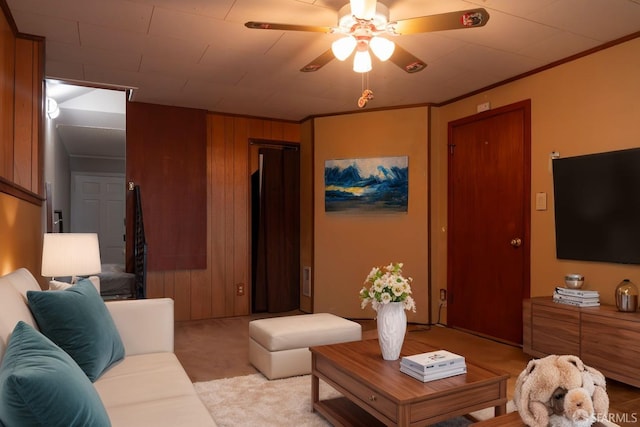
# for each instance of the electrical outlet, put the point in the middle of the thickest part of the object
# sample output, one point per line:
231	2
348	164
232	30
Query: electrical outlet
306	281
240	289
443	294
483	107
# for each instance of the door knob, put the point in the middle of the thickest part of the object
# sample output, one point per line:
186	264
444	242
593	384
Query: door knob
516	242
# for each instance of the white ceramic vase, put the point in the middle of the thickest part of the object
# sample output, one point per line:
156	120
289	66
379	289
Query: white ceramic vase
392	325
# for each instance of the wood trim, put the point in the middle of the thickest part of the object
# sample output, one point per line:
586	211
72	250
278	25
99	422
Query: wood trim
7	13
7	94
20	193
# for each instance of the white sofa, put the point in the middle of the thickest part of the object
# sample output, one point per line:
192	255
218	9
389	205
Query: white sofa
149	387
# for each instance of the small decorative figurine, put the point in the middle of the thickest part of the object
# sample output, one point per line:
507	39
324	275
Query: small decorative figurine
367	94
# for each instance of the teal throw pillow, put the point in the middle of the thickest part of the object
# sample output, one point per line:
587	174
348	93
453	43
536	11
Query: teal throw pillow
78	321
41	385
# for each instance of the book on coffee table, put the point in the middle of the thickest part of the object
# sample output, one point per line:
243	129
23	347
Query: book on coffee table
433	361
434	375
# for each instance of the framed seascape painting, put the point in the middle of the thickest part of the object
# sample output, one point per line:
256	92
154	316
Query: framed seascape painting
377	184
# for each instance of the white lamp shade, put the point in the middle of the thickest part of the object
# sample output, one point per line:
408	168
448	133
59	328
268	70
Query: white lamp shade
382	48
70	254
343	47
362	61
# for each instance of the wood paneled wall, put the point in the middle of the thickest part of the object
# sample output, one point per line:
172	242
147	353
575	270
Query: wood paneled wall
166	157
29	82
212	292
21	100
21	155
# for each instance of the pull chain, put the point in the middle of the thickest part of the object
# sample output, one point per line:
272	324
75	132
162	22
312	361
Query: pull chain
367	94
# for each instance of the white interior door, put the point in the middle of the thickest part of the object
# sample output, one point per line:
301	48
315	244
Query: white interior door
98	206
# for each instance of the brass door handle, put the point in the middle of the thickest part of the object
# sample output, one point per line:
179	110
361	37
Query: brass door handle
516	242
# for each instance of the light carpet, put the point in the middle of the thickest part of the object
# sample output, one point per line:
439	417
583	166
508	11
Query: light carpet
252	400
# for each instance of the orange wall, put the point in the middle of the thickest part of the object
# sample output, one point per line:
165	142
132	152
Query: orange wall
585	106
21	231
347	246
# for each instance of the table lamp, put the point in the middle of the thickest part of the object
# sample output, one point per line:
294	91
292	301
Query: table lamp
70	254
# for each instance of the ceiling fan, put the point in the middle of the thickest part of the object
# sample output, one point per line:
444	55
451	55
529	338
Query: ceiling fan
364	22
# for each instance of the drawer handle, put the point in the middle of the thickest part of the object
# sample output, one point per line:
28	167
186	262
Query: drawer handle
372	398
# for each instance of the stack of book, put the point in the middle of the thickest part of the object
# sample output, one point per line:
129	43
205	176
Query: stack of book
433	365
577	297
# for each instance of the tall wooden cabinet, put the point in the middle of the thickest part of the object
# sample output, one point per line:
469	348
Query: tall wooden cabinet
603	337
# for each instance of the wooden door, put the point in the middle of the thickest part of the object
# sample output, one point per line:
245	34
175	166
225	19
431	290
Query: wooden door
488	216
276	277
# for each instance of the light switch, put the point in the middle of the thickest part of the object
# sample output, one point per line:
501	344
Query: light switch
541	201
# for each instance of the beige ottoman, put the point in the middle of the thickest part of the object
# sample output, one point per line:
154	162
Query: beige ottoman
279	346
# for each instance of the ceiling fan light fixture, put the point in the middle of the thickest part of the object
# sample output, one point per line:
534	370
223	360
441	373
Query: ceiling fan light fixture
362	61
342	48
363	9
346	19
382	48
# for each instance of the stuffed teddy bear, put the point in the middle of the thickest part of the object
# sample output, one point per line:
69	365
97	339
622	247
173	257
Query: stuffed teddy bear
578	410
542	387
596	385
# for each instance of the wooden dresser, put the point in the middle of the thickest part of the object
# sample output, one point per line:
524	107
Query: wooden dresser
603	337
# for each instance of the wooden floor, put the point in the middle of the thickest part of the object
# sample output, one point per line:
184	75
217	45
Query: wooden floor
219	348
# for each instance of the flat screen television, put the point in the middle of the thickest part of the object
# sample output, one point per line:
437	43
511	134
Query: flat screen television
597	207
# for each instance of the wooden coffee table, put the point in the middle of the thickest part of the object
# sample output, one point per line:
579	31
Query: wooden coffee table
377	393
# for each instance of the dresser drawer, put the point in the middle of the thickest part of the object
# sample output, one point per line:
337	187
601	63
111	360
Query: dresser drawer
360	393
555	330
611	345
603	337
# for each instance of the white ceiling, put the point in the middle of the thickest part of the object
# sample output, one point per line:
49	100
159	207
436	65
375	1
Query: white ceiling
198	53
92	121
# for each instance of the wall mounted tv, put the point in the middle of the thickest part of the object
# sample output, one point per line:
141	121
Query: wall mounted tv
597	207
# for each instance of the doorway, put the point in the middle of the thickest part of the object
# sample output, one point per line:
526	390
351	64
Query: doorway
85	150
489	221
275	229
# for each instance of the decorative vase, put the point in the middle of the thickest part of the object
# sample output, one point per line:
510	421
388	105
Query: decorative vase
392	325
627	296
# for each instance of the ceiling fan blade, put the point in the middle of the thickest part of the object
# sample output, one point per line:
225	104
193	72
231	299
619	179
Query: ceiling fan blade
287	27
319	62
445	21
406	60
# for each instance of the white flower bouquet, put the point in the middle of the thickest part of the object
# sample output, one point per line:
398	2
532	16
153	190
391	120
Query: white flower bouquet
385	285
